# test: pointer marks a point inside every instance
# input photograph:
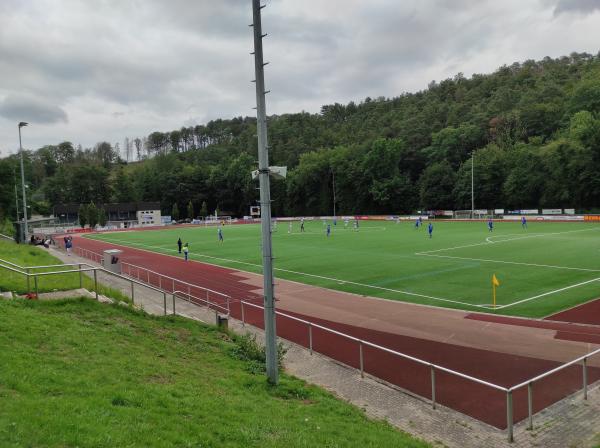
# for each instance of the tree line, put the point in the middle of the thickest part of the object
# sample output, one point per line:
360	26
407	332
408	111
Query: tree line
530	130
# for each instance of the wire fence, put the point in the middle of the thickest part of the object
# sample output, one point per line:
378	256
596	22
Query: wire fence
435	383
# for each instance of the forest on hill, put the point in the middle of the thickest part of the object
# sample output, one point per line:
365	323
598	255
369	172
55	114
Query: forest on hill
532	129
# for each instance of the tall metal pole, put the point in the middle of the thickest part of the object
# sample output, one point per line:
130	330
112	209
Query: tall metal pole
17	198
21	124
265	197
333	174
472	188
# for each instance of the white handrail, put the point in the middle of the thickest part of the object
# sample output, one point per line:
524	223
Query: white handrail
177	280
556	369
209	304
394	352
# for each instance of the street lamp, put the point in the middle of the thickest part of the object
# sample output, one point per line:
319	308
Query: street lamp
21	124
333	175
472	188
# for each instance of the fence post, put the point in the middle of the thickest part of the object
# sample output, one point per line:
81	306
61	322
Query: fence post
165	302
96	283
243	319
362	365
173	303
530	405
433	386
132	299
28	281
310	342
80	277
35	282
585	379
509	415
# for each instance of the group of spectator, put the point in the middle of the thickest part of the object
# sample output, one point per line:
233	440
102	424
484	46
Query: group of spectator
45	241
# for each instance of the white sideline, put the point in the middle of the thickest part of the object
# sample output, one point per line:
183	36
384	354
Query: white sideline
430	254
339	281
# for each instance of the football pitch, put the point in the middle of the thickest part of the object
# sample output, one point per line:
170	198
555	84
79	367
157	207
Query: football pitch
543	269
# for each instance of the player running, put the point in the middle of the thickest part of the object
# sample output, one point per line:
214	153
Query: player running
523	222
220	235
490	225
430	230
328	230
302	225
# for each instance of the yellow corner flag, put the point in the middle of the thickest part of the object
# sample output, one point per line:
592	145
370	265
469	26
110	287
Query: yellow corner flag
495	283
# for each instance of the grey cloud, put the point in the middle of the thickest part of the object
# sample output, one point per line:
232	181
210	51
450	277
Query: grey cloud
576	6
31	109
126	68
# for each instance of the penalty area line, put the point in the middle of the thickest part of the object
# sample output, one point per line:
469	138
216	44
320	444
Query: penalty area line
486	260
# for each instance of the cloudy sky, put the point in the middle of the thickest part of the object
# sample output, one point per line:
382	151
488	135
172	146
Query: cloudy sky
93	70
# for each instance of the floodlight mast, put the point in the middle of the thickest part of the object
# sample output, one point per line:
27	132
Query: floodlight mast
265	198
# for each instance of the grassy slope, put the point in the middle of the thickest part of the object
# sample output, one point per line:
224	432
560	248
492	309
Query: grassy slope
382	254
78	373
26	255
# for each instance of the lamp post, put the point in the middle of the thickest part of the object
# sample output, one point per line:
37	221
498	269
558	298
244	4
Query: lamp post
16	193
21	124
333	175
472	188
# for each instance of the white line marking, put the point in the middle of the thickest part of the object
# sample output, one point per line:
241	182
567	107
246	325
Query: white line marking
381	288
486	260
537	235
548	293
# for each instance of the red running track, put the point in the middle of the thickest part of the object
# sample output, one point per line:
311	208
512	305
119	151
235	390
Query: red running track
478	401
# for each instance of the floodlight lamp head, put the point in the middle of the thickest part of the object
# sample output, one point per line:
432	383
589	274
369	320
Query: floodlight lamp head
22	124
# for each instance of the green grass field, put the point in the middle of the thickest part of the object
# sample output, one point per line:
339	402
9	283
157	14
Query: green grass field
76	373
542	269
25	255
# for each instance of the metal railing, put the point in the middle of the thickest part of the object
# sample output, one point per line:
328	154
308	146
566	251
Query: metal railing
26	271
90	255
171	284
361	343
434	368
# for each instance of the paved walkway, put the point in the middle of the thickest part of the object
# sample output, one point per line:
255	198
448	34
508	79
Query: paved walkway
570	423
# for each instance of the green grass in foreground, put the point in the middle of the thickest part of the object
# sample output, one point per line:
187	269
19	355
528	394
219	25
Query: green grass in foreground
389	260
25	255
79	373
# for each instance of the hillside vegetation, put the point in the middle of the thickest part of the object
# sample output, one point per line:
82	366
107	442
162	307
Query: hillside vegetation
79	373
533	129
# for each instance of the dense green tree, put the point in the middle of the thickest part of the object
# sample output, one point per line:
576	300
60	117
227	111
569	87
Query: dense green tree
102	218
83	215
190	210
533	127
175	212
436	185
92	215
